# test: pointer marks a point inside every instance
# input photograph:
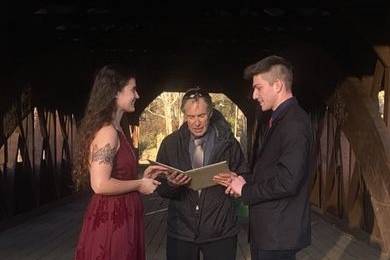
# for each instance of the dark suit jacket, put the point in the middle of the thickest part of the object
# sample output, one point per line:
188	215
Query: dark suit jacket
277	190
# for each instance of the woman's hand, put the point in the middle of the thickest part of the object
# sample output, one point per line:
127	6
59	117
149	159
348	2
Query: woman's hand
153	171
148	185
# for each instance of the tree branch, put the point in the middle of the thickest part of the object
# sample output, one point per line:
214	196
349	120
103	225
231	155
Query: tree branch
154	113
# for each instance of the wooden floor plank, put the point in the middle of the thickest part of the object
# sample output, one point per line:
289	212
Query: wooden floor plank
242	245
54	236
340	244
154	245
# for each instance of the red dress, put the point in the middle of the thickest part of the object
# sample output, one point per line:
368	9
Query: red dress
113	227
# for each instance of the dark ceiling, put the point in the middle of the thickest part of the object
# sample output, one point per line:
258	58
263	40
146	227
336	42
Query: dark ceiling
56	47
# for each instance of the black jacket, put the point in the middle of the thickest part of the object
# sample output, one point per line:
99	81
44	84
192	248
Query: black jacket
216	215
277	191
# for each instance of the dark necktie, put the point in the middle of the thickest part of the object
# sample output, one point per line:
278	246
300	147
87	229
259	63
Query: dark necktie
270	123
260	141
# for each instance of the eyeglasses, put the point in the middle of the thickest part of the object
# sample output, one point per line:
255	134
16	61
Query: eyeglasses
195	93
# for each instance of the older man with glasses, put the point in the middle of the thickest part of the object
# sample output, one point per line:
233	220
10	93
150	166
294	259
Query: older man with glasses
200	221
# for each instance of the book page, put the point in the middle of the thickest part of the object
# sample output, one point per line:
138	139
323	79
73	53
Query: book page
166	166
200	177
203	177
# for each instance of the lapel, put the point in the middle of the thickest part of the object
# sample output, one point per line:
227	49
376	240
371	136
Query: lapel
258	134
269	132
184	159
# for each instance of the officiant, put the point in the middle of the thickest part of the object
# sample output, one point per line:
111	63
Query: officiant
203	220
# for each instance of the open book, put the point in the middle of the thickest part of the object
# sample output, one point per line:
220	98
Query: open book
200	177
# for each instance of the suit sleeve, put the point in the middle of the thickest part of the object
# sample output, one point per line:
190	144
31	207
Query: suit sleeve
164	189
288	173
238	163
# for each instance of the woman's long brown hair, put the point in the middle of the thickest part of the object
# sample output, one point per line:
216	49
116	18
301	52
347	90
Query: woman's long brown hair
99	112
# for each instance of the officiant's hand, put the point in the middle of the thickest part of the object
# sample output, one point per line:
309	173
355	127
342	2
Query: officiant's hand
224	178
176	179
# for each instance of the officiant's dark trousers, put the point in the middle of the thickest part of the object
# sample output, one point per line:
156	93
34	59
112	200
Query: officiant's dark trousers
219	249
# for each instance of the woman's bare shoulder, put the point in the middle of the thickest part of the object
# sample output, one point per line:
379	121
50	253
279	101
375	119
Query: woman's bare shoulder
106	135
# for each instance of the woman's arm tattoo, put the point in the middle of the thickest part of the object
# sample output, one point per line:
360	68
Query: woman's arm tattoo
104	155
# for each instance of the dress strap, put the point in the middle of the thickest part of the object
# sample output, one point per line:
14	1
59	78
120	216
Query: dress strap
125	140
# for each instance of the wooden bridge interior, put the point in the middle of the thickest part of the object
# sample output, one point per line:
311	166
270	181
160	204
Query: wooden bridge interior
341	59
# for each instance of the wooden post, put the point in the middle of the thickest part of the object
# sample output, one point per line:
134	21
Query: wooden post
38	149
370	140
386	107
377	81
12	151
383	52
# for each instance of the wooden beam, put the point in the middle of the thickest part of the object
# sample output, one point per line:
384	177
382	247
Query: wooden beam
38	149
370	140
377	81
383	52
12	152
386	106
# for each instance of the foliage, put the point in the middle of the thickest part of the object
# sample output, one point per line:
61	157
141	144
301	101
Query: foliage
163	116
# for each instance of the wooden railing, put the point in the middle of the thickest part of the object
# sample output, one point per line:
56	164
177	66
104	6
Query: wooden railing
351	181
338	187
35	156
